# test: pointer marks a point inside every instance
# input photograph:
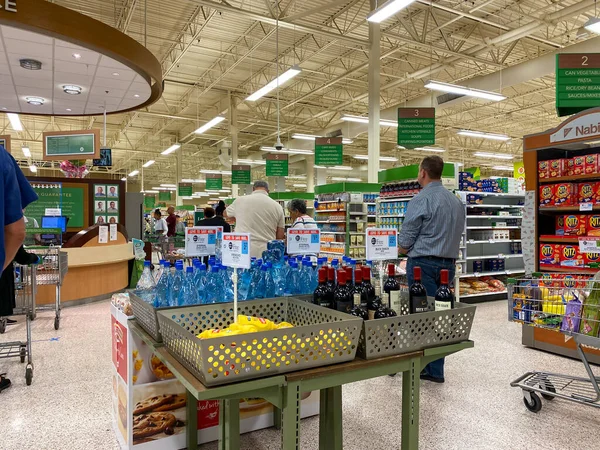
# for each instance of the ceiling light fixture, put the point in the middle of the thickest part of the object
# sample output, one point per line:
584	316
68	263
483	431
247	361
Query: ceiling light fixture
124	179
76	55
193	180
152	192
299	185
507	168
387	10
381	158
69	109
312	137
593	25
30	64
259	162
115	74
168	185
482	135
222	172
136	95
35	101
462	90
280	80
72	89
493	155
362	119
210	124
134	173
33	168
356	180
289	151
148	163
297	177
171	149
26	152
15	121
341	168
431	149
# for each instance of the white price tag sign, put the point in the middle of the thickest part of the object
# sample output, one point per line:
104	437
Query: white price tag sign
303	241
235	250
586	206
113	231
589	245
202	241
103	234
381	243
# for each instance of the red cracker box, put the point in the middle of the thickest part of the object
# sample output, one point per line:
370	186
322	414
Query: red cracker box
555	166
567	167
543	169
559	229
570	256
564	194
574	225
570	281
547	195
586	192
597	193
578	165
591	163
591	258
546	280
593	225
550	253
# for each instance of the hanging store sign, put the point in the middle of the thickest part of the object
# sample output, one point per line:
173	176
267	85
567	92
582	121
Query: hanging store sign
277	165
164	196
329	151
381	243
61	145
303	241
240	174
185	189
149	202
5	142
577	82
214	181
586	126
235	250
416	127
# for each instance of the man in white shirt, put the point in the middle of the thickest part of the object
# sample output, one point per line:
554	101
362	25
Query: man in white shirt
160	224
259	215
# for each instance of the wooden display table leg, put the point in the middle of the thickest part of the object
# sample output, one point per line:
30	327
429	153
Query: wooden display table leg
330	419
411	386
192	422
277	418
229	424
290	436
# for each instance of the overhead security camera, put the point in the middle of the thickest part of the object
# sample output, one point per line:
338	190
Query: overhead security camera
278	144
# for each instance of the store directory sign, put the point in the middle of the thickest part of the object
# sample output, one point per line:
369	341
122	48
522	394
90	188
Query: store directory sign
214	181
74	145
382	243
577	82
240	174
329	151
202	241
303	241
235	250
416	127
277	165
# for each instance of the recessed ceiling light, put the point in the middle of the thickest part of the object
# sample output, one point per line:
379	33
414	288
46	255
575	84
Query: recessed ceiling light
35	101
4	108
115	74
136	95
68	109
72	89
30	64
76	55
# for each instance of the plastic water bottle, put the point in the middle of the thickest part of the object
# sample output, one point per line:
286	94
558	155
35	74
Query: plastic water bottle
305	284
200	280
176	285
226	278
188	294
163	287
269	281
158	271
146	281
213	286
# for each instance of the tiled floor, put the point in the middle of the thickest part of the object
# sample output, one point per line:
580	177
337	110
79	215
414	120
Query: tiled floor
68	404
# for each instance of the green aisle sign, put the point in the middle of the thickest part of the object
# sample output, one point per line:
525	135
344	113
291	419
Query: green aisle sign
329	151
240	174
164	196
149	202
79	145
416	127
185	189
577	82
214	181
277	165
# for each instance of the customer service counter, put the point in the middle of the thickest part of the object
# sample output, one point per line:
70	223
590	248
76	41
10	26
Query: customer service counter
95	269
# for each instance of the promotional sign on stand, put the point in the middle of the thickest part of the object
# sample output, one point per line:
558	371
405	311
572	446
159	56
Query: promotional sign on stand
202	241
382	244
236	250
303	241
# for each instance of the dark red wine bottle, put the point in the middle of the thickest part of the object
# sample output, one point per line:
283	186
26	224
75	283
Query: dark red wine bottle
322	295
392	288
342	296
417	294
444	299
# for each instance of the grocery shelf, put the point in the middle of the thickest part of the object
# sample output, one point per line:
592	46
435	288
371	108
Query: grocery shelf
549	239
486	216
552	268
392	215
318	211
508	227
491	274
493	241
496	256
481	294
333	232
584	176
330	221
496	206
332	253
330	201
494	194
566	208
356	213
395	199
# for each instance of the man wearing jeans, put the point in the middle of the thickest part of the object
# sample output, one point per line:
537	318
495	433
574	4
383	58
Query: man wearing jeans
430	236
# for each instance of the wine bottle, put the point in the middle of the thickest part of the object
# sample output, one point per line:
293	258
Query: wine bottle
443	297
322	296
392	288
417	294
359	287
373	304
366	274
342	295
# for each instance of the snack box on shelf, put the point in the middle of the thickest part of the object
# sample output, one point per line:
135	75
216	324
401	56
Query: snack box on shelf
564	194
586	192
567	167
578	165
561	280
547	195
543	170
550	254
555	167
591	258
571	225
570	256
593	225
591	164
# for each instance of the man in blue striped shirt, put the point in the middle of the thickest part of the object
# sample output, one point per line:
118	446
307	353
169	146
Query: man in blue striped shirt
430	236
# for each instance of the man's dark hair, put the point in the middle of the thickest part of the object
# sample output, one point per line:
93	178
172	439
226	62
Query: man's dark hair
434	166
221	207
157	212
209	212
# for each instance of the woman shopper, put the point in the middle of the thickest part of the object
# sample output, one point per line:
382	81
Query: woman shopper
300	219
214	218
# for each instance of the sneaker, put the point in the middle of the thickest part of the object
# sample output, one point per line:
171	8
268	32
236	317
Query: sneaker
427	377
10	321
4	382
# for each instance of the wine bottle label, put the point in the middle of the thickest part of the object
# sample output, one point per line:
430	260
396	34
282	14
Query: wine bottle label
442	306
371	314
395	302
356	299
419	304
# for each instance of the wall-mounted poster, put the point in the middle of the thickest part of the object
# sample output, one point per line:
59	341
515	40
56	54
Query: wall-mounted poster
112	191
99	220
100	191
99	206
113	219
112	206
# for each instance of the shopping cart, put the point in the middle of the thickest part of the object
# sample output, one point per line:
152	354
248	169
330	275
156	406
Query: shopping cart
25	289
568	304
51	270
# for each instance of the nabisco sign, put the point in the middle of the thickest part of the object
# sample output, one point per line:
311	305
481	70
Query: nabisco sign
586	126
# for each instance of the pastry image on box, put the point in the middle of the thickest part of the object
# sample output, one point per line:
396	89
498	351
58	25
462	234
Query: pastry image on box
563	194
578	165
585	192
591	163
547	195
571	257
543	169
593	225
555	168
575	225
550	253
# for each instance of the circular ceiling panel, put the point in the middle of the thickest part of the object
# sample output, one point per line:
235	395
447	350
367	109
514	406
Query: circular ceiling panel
50	66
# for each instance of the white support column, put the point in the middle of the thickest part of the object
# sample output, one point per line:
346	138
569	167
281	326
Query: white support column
321	176
374	102
179	157
233	130
310	174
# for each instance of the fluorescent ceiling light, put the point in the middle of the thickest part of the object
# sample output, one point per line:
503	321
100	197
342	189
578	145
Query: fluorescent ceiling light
15	122
33	168
193	180
288	151
299	185
341	168
503	168
345	179
208	125
387	10
457	163
171	149
223	172
320	167
593	25
482	135
134	173
297	177
26	152
124	179
312	137
148	163
493	155
280	80
431	149
362	119
187	198
152	192
225	190
259	162
381	158
455	89
168	185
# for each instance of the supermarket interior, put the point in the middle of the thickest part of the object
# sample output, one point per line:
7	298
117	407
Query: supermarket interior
274	224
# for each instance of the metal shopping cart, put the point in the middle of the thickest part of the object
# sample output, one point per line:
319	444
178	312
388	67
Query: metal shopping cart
51	270
568	304
25	289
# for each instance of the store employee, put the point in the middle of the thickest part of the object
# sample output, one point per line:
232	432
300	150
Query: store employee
430	236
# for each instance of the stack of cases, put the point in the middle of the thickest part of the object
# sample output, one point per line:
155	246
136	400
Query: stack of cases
570	194
567	167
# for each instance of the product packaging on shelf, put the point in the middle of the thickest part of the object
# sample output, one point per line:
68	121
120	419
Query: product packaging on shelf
574	225
586	192
559	228
547	195
591	258
567	167
555	167
593	225
543	170
564	194
550	253
571	256
578	165
591	164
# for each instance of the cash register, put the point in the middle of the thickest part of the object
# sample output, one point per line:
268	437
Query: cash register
53	222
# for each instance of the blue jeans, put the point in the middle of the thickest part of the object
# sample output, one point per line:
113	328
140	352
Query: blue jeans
430	274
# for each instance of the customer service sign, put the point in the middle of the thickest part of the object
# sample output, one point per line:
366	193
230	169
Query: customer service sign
381	243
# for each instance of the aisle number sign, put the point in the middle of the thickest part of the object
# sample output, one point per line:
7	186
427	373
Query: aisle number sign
577	82
240	174
416	127
214	181
185	189
329	151
235	250
382	243
164	196
202	241
303	241
277	165
149	201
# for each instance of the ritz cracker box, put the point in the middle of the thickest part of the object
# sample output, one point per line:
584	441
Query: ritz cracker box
550	253
593	225
567	167
543	170
586	192
571	225
591	258
591	164
555	167
571	256
578	165
564	194
547	195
